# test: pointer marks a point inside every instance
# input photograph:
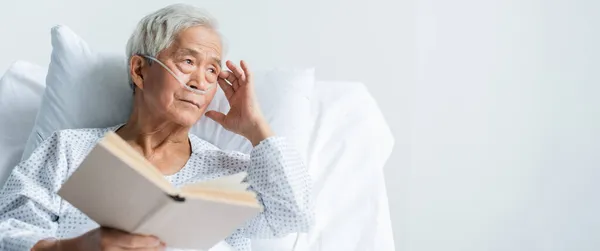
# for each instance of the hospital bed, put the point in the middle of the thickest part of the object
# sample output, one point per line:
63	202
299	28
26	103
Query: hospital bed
349	145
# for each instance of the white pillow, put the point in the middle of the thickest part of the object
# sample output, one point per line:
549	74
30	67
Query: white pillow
86	89
21	90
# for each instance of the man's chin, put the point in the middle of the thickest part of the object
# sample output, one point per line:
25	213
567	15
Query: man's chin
188	118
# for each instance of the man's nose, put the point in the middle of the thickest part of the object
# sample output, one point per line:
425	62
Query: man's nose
198	81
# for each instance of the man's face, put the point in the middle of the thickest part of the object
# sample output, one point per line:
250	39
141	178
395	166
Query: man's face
195	58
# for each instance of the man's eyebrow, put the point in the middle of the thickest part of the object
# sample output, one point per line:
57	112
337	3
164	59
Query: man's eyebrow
189	51
218	61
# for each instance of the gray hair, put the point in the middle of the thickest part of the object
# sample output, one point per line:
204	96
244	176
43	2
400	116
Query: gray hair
157	31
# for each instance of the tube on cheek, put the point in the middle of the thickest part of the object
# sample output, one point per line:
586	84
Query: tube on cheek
183	83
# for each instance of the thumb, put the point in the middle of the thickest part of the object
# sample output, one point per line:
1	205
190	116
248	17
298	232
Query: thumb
216	116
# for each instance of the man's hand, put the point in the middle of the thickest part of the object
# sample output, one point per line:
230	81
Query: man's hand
244	116
103	239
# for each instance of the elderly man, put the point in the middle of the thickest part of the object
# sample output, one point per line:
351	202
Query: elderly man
174	67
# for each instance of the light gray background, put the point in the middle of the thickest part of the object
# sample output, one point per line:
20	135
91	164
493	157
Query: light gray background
505	140
493	103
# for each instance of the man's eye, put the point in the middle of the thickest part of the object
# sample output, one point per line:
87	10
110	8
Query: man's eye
212	70
189	61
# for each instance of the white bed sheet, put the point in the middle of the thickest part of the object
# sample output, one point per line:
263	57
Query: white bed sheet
349	147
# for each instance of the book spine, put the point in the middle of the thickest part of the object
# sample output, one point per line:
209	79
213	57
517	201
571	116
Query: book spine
144	226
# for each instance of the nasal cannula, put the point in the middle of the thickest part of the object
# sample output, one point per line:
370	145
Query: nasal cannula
197	91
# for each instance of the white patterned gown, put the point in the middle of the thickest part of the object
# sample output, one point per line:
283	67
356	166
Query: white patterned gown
31	210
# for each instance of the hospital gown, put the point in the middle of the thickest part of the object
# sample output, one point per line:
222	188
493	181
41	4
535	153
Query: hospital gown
30	209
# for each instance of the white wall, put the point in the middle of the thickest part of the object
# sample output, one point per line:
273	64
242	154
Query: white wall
505	150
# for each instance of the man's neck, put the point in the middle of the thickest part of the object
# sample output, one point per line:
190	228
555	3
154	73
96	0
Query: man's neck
154	135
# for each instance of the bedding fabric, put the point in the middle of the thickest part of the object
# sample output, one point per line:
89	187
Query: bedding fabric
21	90
349	145
351	202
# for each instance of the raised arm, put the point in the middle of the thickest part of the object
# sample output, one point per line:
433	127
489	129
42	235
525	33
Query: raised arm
275	171
279	177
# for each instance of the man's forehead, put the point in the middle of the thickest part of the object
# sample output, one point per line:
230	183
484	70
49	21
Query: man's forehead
195	49
200	39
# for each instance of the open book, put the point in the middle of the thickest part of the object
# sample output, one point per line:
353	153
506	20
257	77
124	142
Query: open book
118	188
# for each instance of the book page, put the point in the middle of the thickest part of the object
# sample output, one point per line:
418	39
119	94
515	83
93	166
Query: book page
111	193
231	183
246	198
196	223
121	149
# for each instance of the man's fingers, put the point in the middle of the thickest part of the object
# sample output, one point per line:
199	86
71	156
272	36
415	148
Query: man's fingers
227	75
131	241
235	83
161	247
246	69
236	70
226	87
230	76
216	116
224	74
139	241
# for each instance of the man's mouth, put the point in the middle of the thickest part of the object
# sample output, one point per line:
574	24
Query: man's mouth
191	102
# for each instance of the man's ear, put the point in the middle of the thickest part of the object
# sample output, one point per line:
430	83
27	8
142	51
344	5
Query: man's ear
136	66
